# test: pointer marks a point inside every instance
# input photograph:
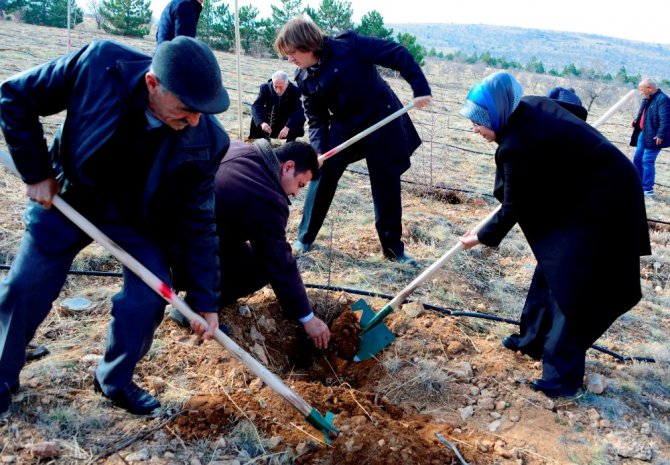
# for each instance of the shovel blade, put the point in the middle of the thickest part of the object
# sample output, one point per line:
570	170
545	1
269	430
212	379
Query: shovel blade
374	340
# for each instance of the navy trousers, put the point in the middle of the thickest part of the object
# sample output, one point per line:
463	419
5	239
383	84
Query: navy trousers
386	197
48	247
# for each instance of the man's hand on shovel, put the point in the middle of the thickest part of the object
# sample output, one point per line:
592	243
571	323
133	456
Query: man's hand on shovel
206	332
43	192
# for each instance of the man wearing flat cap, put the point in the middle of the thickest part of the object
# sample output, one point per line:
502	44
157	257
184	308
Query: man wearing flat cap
136	155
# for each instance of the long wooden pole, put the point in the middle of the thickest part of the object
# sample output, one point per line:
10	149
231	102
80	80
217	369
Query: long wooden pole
238	47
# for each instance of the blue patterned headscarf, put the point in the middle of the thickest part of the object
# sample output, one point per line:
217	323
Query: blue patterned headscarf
491	101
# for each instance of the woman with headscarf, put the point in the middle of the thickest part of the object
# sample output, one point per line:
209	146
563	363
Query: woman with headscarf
579	203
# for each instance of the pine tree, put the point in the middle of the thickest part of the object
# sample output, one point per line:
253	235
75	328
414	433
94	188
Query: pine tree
334	16
409	42
126	17
216	26
372	24
51	12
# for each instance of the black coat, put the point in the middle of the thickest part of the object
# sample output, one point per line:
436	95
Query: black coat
278	111
179	18
578	201
345	94
656	121
251	206
96	85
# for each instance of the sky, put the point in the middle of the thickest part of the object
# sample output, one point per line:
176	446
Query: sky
646	23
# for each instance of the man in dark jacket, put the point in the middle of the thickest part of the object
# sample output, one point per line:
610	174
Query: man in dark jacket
179	18
137	155
344	94
277	111
651	132
253	186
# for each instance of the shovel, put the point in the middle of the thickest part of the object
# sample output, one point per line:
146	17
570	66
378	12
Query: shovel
311	414
375	335
364	133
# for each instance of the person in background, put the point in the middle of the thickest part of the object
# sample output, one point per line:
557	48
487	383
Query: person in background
651	132
568	99
253	186
179	18
277	112
578	200
137	155
344	94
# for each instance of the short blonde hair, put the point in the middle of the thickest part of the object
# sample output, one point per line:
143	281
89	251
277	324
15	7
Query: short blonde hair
299	34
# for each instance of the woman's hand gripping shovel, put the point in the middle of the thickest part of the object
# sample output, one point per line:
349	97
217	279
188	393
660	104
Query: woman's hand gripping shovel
375	335
312	415
366	132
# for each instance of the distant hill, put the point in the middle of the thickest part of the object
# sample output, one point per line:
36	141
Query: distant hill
554	49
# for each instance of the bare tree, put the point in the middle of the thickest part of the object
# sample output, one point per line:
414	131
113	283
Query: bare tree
94	5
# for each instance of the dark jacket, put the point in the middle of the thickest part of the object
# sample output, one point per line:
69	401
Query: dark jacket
179	18
345	94
578	201
278	111
95	85
251	206
656	121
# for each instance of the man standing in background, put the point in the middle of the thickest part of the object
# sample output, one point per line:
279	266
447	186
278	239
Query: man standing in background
651	132
179	18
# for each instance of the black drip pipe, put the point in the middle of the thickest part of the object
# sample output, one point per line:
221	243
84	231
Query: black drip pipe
623	358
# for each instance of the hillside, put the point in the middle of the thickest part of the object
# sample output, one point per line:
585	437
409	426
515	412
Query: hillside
554	49
446	373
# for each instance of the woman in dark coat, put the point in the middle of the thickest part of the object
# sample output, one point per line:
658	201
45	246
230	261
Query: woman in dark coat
578	201
344	94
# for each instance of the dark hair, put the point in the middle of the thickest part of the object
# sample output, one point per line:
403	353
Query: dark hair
303	155
299	34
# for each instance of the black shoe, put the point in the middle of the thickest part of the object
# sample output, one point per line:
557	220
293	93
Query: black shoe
300	247
133	399
512	343
403	258
36	351
553	389
176	316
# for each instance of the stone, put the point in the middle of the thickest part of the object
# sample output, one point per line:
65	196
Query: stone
255	335
595	383
625	445
75	306
139	456
494	426
267	324
455	347
45	450
259	352
275	441
244	311
466	412
486	403
501	405
461	370
414	309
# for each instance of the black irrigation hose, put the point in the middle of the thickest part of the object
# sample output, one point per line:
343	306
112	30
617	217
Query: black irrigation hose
623	358
406	181
349	290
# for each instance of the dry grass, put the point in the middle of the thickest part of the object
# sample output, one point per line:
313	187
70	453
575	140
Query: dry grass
448	192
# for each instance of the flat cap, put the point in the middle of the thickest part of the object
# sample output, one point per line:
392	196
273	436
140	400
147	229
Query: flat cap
188	68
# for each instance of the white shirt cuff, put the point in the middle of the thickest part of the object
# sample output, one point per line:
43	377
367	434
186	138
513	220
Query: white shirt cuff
305	319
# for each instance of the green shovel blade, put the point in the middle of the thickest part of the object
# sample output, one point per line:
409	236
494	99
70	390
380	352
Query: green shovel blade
376	338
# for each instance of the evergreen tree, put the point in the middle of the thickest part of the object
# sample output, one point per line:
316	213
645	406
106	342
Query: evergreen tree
249	32
289	9
409	42
334	17
126	17
216	26
372	24
51	13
